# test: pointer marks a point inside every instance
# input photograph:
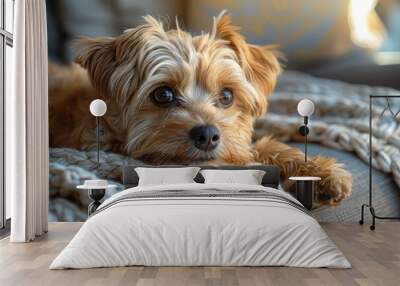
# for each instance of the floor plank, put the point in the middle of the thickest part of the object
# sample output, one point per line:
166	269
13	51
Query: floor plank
375	257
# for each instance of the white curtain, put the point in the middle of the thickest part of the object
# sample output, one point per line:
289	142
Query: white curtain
27	124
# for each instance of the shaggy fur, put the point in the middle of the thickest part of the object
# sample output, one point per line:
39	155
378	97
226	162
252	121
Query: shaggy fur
125	71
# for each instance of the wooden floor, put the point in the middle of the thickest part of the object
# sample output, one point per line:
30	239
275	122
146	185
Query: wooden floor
375	257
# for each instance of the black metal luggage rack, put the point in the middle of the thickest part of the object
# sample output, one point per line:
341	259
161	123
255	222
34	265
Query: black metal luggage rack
394	116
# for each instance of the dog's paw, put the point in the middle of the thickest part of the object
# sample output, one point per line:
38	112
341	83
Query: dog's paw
336	182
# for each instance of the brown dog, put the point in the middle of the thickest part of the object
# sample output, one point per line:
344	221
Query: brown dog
177	99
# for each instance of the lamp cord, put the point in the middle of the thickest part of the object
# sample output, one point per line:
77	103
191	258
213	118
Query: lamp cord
97	140
305	147
305	140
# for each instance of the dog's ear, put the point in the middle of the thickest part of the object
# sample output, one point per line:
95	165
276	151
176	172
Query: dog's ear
112	63
260	63
97	56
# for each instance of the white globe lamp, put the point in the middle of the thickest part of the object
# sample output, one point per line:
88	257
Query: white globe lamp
98	107
305	107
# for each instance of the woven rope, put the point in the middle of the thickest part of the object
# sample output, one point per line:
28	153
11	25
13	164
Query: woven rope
340	122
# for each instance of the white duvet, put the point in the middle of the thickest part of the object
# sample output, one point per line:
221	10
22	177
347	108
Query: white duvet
206	230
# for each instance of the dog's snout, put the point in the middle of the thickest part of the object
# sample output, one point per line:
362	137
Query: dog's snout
205	137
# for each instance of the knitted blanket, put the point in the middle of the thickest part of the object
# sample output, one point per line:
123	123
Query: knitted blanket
340	121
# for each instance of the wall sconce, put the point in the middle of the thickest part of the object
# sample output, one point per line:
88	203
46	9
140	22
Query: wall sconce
98	108
305	108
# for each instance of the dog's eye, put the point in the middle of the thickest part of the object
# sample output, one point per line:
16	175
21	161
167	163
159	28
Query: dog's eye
163	96
226	98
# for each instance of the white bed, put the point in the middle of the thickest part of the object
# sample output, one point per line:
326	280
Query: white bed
203	225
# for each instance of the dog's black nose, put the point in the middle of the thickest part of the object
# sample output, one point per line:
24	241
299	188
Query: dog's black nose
205	137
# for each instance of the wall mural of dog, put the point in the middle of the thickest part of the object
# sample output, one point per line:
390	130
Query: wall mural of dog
174	98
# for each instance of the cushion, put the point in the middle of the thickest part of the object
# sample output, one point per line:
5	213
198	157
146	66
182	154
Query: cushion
248	177
163	176
304	30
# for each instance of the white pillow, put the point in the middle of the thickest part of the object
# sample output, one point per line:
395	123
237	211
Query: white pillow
248	177
166	176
